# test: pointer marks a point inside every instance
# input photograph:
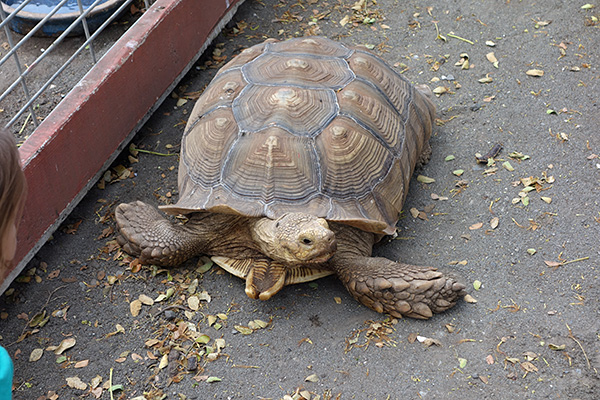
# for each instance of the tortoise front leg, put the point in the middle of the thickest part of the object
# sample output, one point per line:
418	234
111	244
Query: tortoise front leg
387	286
398	289
147	234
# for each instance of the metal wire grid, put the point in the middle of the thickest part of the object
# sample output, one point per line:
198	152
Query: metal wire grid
24	70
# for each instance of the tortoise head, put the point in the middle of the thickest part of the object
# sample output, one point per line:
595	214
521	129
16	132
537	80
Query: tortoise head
295	238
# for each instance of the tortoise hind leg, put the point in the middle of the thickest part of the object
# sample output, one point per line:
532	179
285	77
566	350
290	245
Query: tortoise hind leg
147	234
425	155
398	289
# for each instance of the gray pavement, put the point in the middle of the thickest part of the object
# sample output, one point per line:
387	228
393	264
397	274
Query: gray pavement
534	331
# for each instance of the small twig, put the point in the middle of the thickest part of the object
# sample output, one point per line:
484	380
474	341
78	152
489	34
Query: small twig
460	38
110	385
154	152
575	260
437	30
24	124
40	311
581	347
157	313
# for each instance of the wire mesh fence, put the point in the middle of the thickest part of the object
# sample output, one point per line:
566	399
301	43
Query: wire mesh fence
44	54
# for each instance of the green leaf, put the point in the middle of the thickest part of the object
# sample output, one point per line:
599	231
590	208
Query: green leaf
476	284
425	179
551	112
115	388
449	158
525	200
38	319
462	362
507	166
203	339
61	359
531	251
205	267
212	379
587	6
556	347
458	172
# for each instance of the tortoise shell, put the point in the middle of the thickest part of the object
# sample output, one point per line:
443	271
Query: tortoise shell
307	125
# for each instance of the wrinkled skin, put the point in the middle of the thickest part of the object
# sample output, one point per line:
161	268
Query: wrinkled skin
269	250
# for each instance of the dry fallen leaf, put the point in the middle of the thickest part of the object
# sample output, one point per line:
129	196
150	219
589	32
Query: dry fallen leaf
164	361
470	299
476	226
489	359
492	58
425	179
440	90
535	72
36	354
552	263
135	307
65	345
147	300
529	367
76	383
193	302
494	222
81	364
312	378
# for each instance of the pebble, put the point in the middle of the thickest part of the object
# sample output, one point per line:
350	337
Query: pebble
170	315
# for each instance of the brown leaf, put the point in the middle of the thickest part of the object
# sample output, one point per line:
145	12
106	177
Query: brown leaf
489	359
147	300
412	338
65	345
553	263
76	383
54	274
476	226
72	228
36	354
135	265
135	307
470	299
529	367
491	57
535	72
494	222
81	364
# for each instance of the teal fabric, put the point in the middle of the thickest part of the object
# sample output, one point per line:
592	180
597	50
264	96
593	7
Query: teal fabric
6	375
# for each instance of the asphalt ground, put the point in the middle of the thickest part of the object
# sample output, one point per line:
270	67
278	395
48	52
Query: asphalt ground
521	233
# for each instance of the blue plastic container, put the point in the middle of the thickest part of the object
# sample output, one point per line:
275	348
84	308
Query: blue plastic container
36	10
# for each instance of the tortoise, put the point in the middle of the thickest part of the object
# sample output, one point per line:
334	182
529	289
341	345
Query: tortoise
294	162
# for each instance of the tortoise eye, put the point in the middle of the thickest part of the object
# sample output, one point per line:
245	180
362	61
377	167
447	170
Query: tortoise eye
306	241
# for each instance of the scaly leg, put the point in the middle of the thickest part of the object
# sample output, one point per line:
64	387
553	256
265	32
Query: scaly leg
147	234
387	286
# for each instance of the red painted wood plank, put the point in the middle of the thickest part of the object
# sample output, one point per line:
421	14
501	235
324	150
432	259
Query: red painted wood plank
66	154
